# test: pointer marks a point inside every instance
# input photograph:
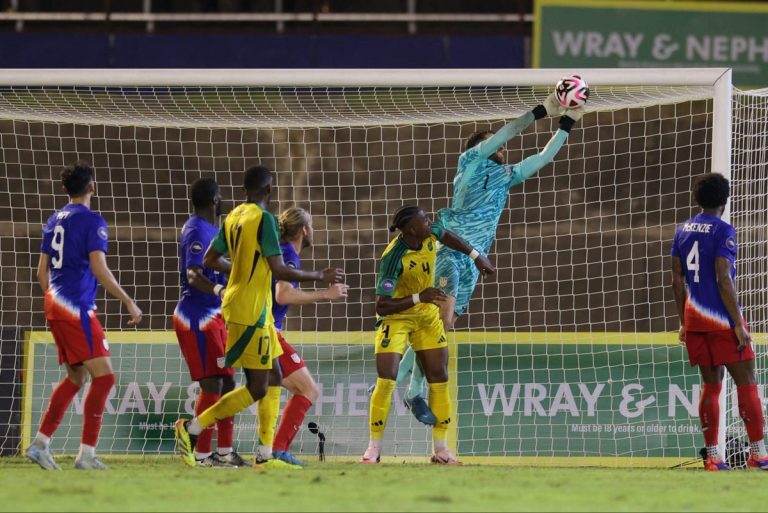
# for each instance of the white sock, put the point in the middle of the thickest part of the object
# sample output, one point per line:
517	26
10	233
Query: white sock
194	427
758	449
264	452
439	445
201	455
375	443
86	451
42	440
223	451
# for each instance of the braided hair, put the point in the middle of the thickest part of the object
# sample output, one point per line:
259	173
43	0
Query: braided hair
402	216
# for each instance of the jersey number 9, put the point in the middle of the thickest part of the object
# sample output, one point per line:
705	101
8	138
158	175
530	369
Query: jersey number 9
57	244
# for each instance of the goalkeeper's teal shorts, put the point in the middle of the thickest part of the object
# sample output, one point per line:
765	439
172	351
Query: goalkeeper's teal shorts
456	275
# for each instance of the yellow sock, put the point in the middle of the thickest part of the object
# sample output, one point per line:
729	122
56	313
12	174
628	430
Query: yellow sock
269	409
440	404
381	401
231	403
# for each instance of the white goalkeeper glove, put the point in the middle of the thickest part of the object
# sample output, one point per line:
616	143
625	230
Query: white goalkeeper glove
553	106
574	114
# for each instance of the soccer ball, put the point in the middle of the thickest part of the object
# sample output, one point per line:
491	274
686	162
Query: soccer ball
572	92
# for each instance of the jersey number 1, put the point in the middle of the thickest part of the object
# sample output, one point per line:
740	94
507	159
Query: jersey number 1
57	244
692	261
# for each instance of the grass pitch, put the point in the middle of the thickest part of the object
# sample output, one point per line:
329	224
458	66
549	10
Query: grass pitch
165	484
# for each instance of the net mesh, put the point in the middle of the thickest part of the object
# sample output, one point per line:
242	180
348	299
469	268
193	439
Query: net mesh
566	353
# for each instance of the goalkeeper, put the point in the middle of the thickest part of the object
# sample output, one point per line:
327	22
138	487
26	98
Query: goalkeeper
480	191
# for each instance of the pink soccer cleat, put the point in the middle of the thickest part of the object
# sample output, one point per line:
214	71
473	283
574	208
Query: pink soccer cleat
371	456
444	457
757	462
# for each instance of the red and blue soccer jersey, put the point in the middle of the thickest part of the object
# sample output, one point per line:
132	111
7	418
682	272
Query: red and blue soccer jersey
290	360
197	320
69	236
196	308
291	259
698	242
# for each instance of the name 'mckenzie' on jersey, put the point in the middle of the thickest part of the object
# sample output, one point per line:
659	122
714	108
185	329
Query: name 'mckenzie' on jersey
197	308
698	242
69	236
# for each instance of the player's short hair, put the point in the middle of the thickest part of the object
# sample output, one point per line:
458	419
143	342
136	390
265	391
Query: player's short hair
711	190
257	178
75	178
203	192
476	138
291	221
402	216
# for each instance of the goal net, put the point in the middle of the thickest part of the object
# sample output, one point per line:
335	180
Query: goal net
567	356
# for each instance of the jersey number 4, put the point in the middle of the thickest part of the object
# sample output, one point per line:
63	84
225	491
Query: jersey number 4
692	261
57	244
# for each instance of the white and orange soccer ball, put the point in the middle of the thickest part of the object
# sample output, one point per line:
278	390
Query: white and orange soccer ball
572	92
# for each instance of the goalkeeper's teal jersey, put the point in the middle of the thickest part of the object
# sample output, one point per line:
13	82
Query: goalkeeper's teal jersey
481	185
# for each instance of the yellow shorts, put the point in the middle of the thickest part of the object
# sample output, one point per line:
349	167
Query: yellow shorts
252	347
425	331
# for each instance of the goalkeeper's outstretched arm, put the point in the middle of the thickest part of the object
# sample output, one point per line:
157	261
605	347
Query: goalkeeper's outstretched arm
489	146
531	165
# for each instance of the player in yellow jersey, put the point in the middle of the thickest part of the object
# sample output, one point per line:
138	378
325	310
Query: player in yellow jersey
250	238
408	307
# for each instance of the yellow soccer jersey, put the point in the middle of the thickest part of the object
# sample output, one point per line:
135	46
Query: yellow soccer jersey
249	235
404	271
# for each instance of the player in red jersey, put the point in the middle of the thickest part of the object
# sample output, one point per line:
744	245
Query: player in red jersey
72	259
198	324
295	235
711	325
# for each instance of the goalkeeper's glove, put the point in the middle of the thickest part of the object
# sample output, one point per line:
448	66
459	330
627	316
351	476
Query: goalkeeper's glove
553	105
570	117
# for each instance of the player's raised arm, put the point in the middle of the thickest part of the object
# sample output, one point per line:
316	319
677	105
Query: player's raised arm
489	146
107	280
531	165
453	241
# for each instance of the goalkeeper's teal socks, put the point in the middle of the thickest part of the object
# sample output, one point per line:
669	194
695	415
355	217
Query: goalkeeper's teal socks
416	385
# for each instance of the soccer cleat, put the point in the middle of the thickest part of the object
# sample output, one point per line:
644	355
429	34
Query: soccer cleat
208	461
371	456
713	464
274	463
185	442
420	410
757	462
287	457
231	459
42	456
444	457
90	463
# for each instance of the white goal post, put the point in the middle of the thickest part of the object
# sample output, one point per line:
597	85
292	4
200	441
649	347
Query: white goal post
566	358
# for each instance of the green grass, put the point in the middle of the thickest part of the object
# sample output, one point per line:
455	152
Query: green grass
164	484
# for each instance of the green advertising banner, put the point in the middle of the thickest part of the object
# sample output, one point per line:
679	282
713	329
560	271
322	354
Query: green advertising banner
570	398
577	400
608	34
